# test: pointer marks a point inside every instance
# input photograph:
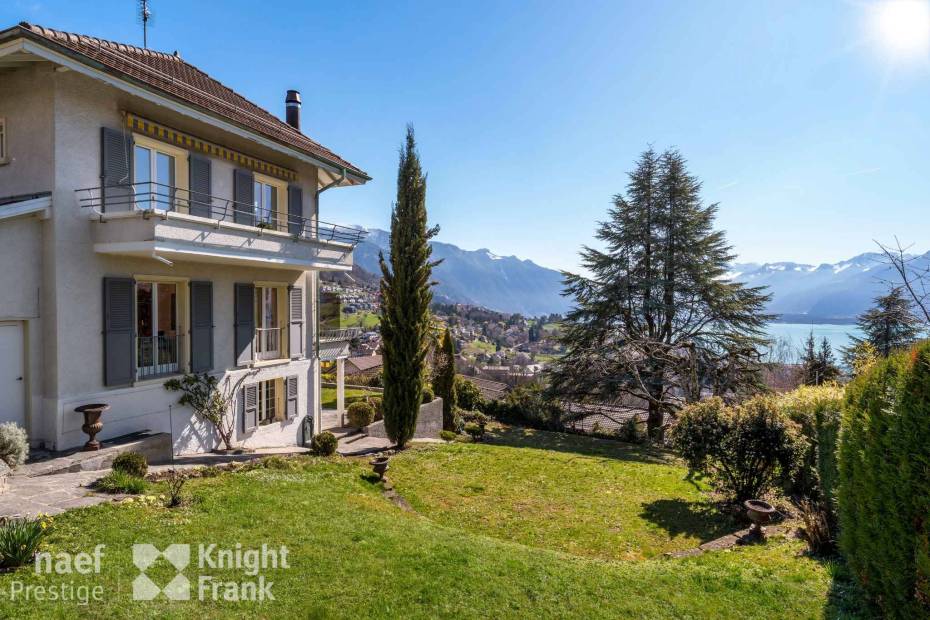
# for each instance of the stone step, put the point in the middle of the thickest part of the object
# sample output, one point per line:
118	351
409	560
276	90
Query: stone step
155	446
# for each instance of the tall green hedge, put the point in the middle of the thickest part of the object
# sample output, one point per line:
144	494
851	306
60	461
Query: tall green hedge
816	409
884	491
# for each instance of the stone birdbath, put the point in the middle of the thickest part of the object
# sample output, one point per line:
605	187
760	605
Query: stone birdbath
92	424
380	465
760	513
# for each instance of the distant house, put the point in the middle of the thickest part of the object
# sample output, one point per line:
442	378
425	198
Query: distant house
490	390
363	365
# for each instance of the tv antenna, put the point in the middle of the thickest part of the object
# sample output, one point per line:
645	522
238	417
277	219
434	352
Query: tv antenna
145	14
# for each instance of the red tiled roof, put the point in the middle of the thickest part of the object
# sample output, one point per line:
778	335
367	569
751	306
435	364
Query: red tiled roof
181	80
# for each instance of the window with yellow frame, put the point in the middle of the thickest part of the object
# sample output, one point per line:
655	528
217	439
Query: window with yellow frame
159	175
270	202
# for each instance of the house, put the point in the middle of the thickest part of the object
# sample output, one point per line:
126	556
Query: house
363	365
154	222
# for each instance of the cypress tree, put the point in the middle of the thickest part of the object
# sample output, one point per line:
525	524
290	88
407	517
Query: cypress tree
405	299
444	380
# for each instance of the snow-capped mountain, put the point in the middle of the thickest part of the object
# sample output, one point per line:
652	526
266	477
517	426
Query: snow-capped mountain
835	292
480	277
827	293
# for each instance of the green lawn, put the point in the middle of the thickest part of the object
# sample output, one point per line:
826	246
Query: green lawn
354	554
479	346
583	496
352	394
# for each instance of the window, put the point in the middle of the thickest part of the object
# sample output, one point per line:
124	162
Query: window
266	203
268	409
3	146
269	323
154	178
157	333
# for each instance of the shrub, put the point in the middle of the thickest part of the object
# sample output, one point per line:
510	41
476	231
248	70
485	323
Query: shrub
527	405
746	449
447	435
132	463
884	496
474	430
175	481
324	444
376	402
428	394
816	410
14	446
818	530
20	540
202	394
360	414
121	482
631	431
467	393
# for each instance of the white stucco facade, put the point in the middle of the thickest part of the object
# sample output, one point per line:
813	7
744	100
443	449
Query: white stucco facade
54	265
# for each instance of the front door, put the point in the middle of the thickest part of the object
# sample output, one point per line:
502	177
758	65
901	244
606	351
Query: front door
12	404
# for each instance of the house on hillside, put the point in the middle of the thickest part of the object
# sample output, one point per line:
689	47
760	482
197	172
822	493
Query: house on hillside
154	222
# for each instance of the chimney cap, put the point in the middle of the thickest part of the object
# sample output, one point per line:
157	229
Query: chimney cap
293	97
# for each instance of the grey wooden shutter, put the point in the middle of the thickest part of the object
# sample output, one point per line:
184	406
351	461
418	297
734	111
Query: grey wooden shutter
201	326
118	331
290	394
249	407
295	325
116	170
295	209
200	186
244	196
245	322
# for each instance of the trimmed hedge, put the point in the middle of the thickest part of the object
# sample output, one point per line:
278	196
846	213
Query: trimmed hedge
884	491
816	409
360	414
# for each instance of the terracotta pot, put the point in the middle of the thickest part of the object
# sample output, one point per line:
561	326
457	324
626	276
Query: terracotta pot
92	424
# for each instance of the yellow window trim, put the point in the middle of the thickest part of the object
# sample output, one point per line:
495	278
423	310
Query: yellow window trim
281	194
181	166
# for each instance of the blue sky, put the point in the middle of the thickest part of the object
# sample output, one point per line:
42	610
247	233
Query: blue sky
810	136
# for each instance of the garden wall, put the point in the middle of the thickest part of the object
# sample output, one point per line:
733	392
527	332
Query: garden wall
429	422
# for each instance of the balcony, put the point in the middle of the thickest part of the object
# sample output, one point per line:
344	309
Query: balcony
340	335
269	343
166	223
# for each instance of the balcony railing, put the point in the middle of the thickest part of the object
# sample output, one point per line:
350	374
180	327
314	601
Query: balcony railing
269	343
338	335
157	356
150	196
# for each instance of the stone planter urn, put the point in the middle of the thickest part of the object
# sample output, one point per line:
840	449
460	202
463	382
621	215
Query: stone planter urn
92	424
380	465
760	513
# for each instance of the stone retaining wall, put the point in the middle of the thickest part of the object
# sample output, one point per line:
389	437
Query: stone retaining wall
429	423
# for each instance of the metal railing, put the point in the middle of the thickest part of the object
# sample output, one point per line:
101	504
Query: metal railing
339	335
269	343
151	196
157	356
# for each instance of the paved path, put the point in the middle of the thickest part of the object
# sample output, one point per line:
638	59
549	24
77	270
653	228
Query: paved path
27	496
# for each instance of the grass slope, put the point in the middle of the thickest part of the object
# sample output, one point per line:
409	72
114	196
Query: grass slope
354	554
583	496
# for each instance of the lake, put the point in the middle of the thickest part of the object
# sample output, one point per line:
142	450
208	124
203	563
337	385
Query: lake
839	336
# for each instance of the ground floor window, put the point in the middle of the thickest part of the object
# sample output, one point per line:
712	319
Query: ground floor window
157	333
269	409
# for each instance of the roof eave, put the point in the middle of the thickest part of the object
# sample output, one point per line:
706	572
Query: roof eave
92	68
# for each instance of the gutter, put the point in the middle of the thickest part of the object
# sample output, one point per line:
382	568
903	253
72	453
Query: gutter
337	182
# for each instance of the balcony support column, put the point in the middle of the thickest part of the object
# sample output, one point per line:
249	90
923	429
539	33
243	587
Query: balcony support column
341	385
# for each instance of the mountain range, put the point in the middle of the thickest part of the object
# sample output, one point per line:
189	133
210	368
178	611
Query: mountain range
826	293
